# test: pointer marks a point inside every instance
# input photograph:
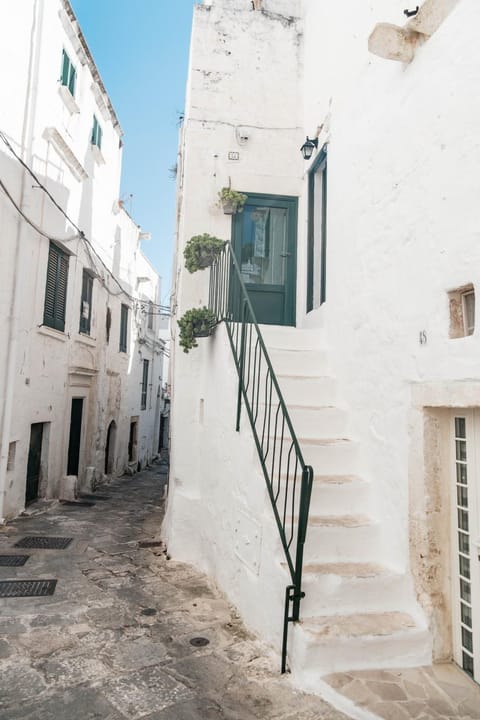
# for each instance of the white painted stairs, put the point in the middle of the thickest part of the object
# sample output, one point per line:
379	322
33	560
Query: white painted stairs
358	613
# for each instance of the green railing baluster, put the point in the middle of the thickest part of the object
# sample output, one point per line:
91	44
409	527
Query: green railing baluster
256	378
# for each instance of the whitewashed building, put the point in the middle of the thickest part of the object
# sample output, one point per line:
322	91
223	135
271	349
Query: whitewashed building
362	265
80	358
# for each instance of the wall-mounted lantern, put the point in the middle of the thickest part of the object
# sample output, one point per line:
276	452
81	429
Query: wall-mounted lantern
308	147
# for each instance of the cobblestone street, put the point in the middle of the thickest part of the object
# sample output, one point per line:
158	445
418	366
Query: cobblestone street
114	641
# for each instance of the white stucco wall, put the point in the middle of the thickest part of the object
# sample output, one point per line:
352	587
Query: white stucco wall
41	369
402	230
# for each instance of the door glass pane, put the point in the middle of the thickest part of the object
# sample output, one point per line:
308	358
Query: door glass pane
264	245
464	567
466	615
464	543
463	520
465	592
468	663
467	640
461	474
461	450
462	496
460	427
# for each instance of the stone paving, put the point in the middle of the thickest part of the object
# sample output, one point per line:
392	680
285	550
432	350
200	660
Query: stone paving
440	691
113	642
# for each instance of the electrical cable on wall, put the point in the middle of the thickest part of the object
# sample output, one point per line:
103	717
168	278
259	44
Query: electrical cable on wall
88	244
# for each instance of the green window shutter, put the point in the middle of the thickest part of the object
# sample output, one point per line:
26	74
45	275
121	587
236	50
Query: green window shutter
86	303
123	328
56	289
99	137
72	80
94	131
65	68
50	290
143	398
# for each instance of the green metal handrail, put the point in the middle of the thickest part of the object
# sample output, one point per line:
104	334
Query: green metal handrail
278	449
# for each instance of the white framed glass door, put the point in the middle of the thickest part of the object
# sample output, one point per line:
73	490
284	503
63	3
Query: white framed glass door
465	545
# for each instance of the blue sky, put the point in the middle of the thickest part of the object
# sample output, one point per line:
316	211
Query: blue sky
141	50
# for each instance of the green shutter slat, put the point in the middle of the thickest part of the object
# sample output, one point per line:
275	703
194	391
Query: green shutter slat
99	137
65	66
56	289
49	307
72	80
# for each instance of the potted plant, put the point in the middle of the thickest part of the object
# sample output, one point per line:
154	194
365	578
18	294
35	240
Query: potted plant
201	251
231	201
195	323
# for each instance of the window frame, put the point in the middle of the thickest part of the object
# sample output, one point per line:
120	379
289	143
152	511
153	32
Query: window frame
319	166
96	134
123	340
143	395
68	73
57	297
85	324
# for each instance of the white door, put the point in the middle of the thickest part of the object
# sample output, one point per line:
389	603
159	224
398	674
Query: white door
465	484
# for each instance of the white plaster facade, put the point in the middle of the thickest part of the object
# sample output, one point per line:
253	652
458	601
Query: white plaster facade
42	368
402	232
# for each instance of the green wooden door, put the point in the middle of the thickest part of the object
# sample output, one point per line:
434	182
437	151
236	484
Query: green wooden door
265	243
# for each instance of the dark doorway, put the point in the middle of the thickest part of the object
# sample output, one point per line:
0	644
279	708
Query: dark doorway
75	435
34	463
132	442
110	448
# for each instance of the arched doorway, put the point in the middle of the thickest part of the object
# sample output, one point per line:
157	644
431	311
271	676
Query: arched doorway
110	448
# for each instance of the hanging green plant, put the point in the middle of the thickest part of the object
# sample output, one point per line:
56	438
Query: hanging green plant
201	251
231	201
195	323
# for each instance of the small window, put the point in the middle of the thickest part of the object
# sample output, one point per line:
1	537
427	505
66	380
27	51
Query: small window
68	77
56	288
123	328
143	398
150	316
12	450
96	136
317	232
462	311
86	303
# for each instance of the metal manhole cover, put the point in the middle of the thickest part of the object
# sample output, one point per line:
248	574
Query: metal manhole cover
13	560
148	611
199	641
44	543
150	543
27	588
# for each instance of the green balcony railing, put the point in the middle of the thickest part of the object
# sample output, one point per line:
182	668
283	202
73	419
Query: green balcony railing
289	480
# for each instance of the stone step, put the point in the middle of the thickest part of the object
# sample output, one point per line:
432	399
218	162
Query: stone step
339	494
342	538
336	587
317	422
337	643
307	363
330	456
320	390
290	338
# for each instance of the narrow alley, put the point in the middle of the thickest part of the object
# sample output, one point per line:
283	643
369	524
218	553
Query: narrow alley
128	633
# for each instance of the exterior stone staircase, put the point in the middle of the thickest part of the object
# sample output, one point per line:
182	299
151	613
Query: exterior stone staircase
358	613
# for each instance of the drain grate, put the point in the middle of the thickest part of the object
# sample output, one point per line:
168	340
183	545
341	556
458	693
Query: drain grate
150	543
77	503
13	560
44	543
27	588
199	642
